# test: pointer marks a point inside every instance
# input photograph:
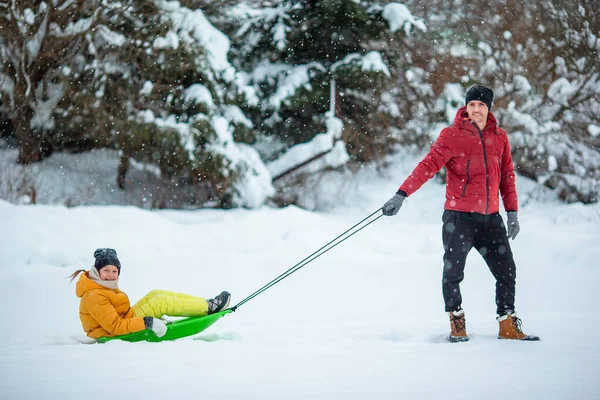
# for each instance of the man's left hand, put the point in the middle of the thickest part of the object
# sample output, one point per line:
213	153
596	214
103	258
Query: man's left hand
512	223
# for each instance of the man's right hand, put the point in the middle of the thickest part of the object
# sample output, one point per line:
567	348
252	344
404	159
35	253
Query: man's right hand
392	206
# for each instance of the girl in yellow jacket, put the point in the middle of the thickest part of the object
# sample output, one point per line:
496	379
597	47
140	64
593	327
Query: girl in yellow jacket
104	310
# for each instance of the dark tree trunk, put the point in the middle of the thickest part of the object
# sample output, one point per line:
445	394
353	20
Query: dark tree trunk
123	167
33	147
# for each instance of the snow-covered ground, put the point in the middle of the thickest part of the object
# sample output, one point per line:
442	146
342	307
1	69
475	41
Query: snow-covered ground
363	321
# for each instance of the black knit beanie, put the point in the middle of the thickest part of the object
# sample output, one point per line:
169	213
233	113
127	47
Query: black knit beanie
106	257
480	93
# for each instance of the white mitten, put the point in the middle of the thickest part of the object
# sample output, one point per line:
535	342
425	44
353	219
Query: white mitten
158	327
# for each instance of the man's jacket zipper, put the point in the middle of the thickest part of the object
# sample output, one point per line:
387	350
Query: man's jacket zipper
487	172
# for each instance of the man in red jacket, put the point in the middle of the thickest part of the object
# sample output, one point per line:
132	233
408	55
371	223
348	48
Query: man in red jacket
476	154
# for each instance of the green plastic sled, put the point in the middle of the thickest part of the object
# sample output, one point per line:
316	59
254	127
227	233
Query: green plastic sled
175	330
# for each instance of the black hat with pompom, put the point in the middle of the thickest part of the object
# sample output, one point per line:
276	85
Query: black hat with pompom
106	257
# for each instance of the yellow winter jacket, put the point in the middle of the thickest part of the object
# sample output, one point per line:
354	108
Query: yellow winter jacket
103	311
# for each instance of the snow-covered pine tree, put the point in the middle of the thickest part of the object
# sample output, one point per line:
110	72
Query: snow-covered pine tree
153	80
39	41
553	103
292	51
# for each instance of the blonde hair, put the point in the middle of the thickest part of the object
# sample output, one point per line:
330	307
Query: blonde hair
74	274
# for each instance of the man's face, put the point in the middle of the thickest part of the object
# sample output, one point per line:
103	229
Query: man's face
478	112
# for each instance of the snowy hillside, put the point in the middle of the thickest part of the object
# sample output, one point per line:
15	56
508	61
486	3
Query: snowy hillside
363	321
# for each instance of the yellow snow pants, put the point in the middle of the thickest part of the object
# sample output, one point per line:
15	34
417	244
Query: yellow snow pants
161	302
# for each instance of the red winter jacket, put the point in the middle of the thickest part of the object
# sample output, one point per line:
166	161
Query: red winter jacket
478	165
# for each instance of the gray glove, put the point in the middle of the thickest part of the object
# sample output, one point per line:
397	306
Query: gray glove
392	206
512	223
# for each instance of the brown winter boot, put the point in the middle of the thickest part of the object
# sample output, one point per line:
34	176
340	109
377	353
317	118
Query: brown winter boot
510	328
458	327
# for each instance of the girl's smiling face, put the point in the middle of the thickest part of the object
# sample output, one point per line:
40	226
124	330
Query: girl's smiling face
109	273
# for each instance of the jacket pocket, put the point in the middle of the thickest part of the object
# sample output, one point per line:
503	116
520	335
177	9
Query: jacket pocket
468	179
499	169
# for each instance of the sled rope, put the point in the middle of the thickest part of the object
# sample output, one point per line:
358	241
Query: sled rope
310	258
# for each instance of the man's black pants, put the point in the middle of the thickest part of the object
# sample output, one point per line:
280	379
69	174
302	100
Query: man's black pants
460	233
